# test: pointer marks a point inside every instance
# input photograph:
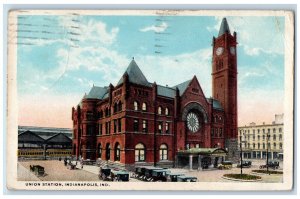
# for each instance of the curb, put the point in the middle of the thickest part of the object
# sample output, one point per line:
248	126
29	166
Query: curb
233	179
265	174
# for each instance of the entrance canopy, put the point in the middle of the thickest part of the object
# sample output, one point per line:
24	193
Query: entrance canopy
203	151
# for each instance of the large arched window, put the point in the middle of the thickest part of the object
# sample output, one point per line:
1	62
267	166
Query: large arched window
99	151
159	110
144	107
135	105
117	152
140	153
107	152
163	152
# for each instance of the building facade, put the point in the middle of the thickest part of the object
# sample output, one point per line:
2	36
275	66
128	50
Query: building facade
260	140
138	122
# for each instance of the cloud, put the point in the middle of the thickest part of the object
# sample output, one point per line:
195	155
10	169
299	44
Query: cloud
156	28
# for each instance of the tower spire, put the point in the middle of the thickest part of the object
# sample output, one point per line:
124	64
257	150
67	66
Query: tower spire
224	27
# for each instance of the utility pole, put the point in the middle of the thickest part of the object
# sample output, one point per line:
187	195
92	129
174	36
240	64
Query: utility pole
241	154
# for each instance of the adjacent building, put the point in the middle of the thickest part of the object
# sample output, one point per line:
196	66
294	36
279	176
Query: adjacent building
44	142
140	122
260	140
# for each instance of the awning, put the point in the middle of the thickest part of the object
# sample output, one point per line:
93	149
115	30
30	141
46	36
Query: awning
203	151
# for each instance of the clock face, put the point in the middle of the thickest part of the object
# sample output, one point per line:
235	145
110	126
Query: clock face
193	122
232	50
219	50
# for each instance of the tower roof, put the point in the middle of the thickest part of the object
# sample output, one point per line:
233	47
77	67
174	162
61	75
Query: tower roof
135	75
224	27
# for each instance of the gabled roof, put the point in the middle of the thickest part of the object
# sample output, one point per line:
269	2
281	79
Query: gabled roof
97	92
59	138
182	87
166	91
224	27
135	75
29	136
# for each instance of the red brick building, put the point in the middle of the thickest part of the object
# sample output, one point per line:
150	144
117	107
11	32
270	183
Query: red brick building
137	121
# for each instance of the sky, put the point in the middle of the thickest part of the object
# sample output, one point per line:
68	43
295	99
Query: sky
59	59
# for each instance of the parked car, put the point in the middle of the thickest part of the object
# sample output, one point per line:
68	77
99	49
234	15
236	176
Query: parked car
173	177
119	175
273	164
104	173
37	169
186	179
246	164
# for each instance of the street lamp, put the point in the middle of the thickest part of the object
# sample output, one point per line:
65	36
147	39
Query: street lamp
241	150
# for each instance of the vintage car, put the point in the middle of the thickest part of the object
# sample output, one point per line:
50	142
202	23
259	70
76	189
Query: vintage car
140	172
159	175
105	173
271	164
173	177
186	179
119	175
149	170
37	169
246	164
225	165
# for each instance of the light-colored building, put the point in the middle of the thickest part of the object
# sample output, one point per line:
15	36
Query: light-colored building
258	140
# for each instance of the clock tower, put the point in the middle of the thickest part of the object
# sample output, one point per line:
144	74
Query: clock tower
224	82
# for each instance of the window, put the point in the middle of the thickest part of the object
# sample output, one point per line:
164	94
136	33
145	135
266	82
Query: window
107	152
136	105
253	131
280	130
264	146
115	126
258	130
159	127
212	132
117	152
248	145
253	145
269	145
119	125
274	130
101	114
89	130
144	107
253	136
258	146
274	137
167	127
221	132
115	107
258	137
159	110
145	126
264	137
167	111
216	132
107	128
197	146
163	152
99	151
139	152
280	145
107	112
100	129
274	145
135	125
120	106
280	137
